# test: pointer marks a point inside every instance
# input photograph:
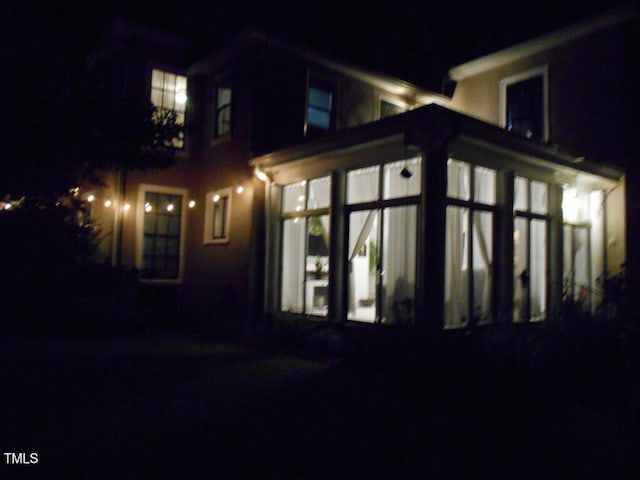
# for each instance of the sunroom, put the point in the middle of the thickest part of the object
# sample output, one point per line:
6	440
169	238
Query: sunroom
435	218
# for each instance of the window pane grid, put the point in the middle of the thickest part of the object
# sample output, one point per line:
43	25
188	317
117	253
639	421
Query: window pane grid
169	93
161	235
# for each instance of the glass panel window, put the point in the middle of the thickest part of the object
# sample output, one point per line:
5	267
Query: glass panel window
305	247
482	265
217	216
456	268
403	178
530	243
363	185
223	108
458	179
319	108
161	235
399	264
521	194
469	247
539	197
363	265
485	185
319	193
293	265
169	97
294	197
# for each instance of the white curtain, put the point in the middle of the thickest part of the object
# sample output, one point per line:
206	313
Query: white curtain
399	263
538	275
360	227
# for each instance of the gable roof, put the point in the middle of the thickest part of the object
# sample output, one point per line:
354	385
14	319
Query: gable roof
587	27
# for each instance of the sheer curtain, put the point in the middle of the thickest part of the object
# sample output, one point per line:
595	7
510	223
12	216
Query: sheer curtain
399	263
362	186
456	291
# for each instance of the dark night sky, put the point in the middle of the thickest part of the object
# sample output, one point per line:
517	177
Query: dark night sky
416	41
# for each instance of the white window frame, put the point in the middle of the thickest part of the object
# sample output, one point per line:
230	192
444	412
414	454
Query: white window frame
208	238
392	100
522	76
143	188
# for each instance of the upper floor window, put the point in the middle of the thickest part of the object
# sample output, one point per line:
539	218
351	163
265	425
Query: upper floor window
320	105
223	107
169	97
523	104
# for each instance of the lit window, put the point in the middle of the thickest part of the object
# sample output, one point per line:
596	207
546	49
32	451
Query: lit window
530	240
223	108
523	101
169	97
161	232
469	275
217	216
305	247
319	108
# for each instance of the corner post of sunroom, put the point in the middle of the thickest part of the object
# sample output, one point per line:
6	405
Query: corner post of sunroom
433	223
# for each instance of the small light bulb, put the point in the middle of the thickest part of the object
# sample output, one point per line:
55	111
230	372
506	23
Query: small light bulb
192	203
216	197
170	207
126	207
91	198
107	203
147	207
240	189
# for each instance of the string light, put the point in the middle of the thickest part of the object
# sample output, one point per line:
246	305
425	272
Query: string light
192	204
108	203
239	189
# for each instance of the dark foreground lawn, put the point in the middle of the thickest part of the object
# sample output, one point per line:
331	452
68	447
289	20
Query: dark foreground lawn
181	408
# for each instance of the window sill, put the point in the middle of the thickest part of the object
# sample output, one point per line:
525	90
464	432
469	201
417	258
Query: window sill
222	139
222	241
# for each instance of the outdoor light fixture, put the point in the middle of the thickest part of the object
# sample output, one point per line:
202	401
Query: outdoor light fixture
262	176
406	173
147	207
170	207
216	197
239	189
192	203
126	207
108	203
91	198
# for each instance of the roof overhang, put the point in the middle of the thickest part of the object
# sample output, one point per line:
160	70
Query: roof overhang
426	128
608	19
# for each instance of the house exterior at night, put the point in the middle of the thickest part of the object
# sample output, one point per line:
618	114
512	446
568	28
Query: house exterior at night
308	187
